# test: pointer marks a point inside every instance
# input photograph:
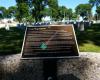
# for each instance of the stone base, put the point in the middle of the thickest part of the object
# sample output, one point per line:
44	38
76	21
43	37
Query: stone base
86	67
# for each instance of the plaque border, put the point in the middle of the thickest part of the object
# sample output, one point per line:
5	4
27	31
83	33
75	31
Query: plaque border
61	57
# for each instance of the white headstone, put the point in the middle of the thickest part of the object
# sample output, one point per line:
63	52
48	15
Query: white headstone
80	19
7	27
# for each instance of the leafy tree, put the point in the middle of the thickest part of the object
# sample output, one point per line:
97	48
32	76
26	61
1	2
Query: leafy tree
74	16
3	12
65	13
94	3
53	5
98	12
62	10
84	10
38	7
12	11
69	13
22	10
97	4
46	12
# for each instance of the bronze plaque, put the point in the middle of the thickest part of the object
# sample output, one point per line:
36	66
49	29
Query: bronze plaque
54	41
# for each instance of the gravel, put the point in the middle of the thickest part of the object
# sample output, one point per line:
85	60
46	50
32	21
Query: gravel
86	67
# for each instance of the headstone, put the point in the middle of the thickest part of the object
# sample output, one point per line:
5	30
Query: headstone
81	24
7	27
21	26
54	41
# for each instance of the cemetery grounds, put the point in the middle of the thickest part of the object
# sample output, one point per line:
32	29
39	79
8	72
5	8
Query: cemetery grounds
11	41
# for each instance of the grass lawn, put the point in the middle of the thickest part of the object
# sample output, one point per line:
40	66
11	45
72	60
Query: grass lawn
11	41
89	47
89	40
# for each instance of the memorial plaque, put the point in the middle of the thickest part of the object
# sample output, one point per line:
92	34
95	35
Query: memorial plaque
53	41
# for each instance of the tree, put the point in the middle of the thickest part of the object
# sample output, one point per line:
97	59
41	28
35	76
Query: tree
62	11
69	13
94	3
74	17
12	10
84	10
22	10
3	12
46	12
38	7
53	5
98	12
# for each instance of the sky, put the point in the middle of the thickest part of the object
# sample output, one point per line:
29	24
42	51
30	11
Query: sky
72	3
68	3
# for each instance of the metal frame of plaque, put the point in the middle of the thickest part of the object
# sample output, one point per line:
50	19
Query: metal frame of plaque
53	41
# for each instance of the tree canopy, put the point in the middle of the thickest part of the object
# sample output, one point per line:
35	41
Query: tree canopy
98	12
53	5
37	9
94	3
83	9
3	12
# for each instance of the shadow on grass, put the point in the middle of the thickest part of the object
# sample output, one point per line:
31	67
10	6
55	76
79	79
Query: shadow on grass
11	41
91	34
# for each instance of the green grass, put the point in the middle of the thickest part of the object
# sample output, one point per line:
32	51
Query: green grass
11	41
89	40
89	47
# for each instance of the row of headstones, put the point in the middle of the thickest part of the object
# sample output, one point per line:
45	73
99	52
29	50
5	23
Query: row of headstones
7	27
79	25
87	23
40	23
20	26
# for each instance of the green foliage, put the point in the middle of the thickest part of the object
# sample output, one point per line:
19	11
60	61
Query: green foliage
69	14
83	9
53	5
3	9
46	12
65	13
98	12
74	17
37	11
12	10
97	4
94	3
89	40
22	11
29	19
62	10
8	13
